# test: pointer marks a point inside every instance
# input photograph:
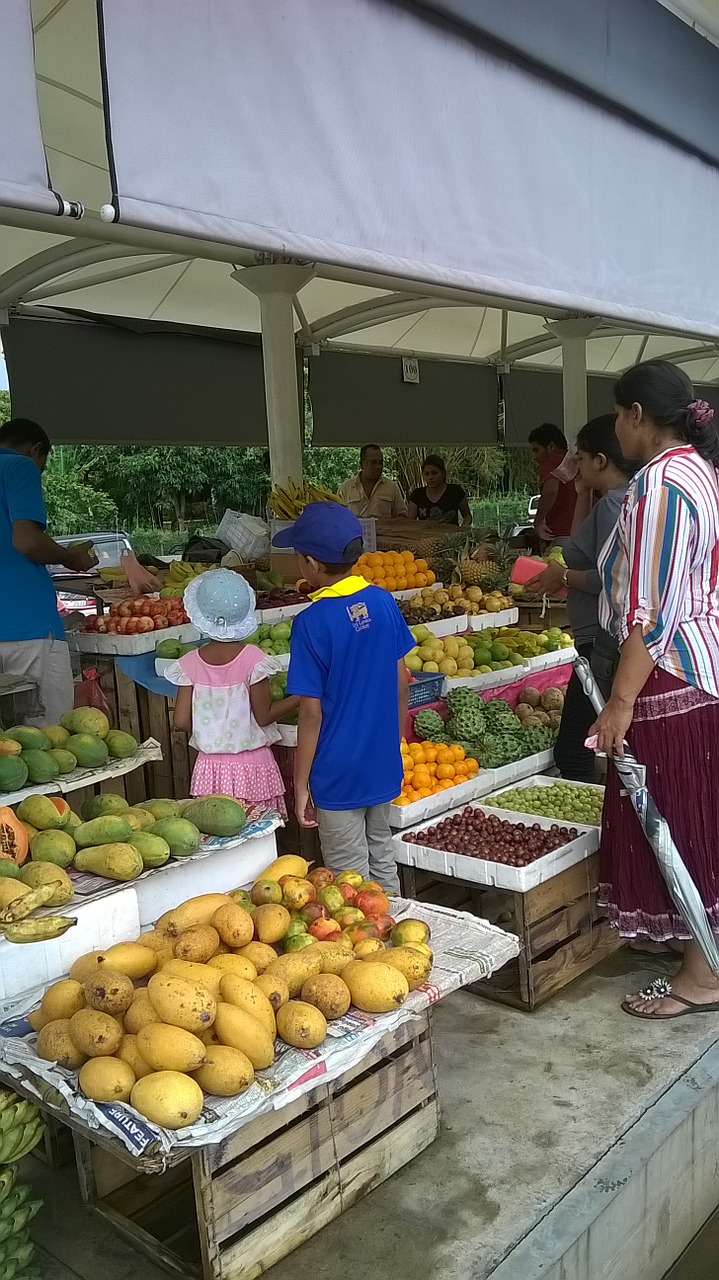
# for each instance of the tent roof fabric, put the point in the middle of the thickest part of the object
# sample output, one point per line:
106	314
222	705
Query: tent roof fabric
46	268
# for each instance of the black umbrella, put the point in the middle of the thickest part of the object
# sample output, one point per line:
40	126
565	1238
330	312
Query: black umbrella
682	889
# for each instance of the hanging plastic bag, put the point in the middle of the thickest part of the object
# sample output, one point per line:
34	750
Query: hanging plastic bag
88	693
140	580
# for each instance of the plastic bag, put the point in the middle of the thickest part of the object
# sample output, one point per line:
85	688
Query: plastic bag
88	693
139	579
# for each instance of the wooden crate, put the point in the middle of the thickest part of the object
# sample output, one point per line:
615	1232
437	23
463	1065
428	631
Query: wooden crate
234	1209
561	929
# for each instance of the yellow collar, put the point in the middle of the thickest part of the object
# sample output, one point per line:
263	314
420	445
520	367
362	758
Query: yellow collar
345	587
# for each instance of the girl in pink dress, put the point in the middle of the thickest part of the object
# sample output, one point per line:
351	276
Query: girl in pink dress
224	699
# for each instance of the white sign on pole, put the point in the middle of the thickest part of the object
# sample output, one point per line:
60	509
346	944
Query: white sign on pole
410	369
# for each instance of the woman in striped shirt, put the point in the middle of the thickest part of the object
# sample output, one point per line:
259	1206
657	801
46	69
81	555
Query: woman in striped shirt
659	570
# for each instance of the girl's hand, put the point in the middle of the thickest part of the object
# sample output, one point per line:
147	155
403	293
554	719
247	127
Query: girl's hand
612	726
549	580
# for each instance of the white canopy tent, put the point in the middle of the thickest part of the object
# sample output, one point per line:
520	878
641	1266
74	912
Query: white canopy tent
515	253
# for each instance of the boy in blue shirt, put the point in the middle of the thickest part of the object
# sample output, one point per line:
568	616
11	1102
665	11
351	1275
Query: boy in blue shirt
347	666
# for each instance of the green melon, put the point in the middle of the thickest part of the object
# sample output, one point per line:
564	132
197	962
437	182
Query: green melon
64	760
153	850
162	808
215	817
41	767
121	745
56	735
30	739
88	720
53	846
100	806
112	829
182	836
89	750
13	773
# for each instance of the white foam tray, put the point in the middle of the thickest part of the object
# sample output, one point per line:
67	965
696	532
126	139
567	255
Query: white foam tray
66	782
283	614
498	679
447	626
129	646
408	592
289	735
408	815
538	781
497	874
484	621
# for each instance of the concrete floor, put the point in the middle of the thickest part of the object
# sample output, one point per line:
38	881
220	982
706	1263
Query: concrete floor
530	1103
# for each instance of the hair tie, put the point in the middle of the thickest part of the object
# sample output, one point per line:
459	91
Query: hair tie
700	413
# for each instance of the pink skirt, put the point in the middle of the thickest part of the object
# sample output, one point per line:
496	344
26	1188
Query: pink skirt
675	733
252	777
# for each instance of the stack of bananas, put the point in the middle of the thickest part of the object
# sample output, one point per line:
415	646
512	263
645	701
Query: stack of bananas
17	1210
21	1128
179	574
288	500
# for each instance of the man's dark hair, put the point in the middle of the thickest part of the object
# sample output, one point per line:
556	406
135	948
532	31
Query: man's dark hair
366	448
20	432
547	434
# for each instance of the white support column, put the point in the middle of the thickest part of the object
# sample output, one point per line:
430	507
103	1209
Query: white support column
275	284
573	335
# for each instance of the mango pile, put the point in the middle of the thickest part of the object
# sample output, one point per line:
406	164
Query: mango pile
193	1006
83	739
112	839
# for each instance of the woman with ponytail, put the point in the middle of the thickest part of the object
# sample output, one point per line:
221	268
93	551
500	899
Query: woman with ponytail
659	571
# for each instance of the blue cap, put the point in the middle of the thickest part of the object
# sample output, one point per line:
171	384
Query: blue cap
324	531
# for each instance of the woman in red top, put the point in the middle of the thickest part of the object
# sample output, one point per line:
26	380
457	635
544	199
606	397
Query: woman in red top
555	512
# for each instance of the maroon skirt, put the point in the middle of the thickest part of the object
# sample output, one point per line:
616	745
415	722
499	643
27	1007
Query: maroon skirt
675	734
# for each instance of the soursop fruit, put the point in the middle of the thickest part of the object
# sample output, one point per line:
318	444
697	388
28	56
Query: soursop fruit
468	725
428	725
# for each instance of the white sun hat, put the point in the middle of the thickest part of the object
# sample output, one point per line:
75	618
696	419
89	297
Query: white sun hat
221	604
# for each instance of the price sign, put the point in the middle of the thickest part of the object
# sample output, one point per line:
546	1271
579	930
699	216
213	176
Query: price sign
410	369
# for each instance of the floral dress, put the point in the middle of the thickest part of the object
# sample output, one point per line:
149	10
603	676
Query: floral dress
234	756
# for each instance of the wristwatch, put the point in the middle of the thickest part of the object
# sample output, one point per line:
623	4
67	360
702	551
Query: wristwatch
564	577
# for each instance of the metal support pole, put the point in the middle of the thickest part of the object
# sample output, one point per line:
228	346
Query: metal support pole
276	284
573	334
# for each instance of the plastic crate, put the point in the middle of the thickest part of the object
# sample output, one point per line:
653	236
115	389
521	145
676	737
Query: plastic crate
247	535
426	688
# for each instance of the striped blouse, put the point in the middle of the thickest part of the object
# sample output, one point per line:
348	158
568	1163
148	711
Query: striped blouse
659	567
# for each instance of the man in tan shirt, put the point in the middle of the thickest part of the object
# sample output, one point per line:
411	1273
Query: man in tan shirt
369	493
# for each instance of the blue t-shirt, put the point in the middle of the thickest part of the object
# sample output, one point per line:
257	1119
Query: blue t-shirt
344	651
29	603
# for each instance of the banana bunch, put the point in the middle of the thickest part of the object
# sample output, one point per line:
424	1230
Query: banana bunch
180	573
288	500
41	929
21	1128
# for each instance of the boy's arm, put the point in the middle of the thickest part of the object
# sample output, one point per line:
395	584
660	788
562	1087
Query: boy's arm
308	732
182	715
403	690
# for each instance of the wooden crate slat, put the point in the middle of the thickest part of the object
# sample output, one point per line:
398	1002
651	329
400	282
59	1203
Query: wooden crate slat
158	710
128	718
382	1099
569	886
579	955
560	926
180	756
253	1253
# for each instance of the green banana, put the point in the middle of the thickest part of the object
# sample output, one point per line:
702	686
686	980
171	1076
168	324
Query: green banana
22	907
32	1134
7	1098
41	929
7	1120
7	1182
10	1144
25	1214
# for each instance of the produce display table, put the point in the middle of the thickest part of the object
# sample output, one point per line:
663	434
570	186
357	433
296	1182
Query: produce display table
261	1172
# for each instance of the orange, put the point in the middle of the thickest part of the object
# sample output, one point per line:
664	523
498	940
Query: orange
420	776
432	768
472	766
460	769
401	800
445	771
391	584
430	753
402	583
368	573
444	755
375	559
447	784
416	750
379	573
411	795
411	580
420	580
421	566
424	793
431	577
408	556
457	751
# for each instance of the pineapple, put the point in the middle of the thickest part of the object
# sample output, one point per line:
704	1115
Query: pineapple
487	567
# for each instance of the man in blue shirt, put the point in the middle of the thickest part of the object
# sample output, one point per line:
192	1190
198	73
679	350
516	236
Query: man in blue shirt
32	637
347	665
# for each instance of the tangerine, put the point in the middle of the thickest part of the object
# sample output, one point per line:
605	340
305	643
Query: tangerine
458	752
431	577
421	566
445	771
420	580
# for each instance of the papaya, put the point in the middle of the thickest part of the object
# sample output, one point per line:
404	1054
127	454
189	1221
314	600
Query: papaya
66	721
288	865
145	817
30	739
34	874
53	846
56	735
64	760
113	861
42	813
100	806
122	746
216	817
89	751
162	808
13	773
153	850
182	836
41	767
9	747
14	842
88	720
72	822
108	830
9	870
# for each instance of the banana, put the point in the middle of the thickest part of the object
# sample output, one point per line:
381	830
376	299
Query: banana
32	1134
25	906
7	1099
10	1144
42	929
24	1215
7	1182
